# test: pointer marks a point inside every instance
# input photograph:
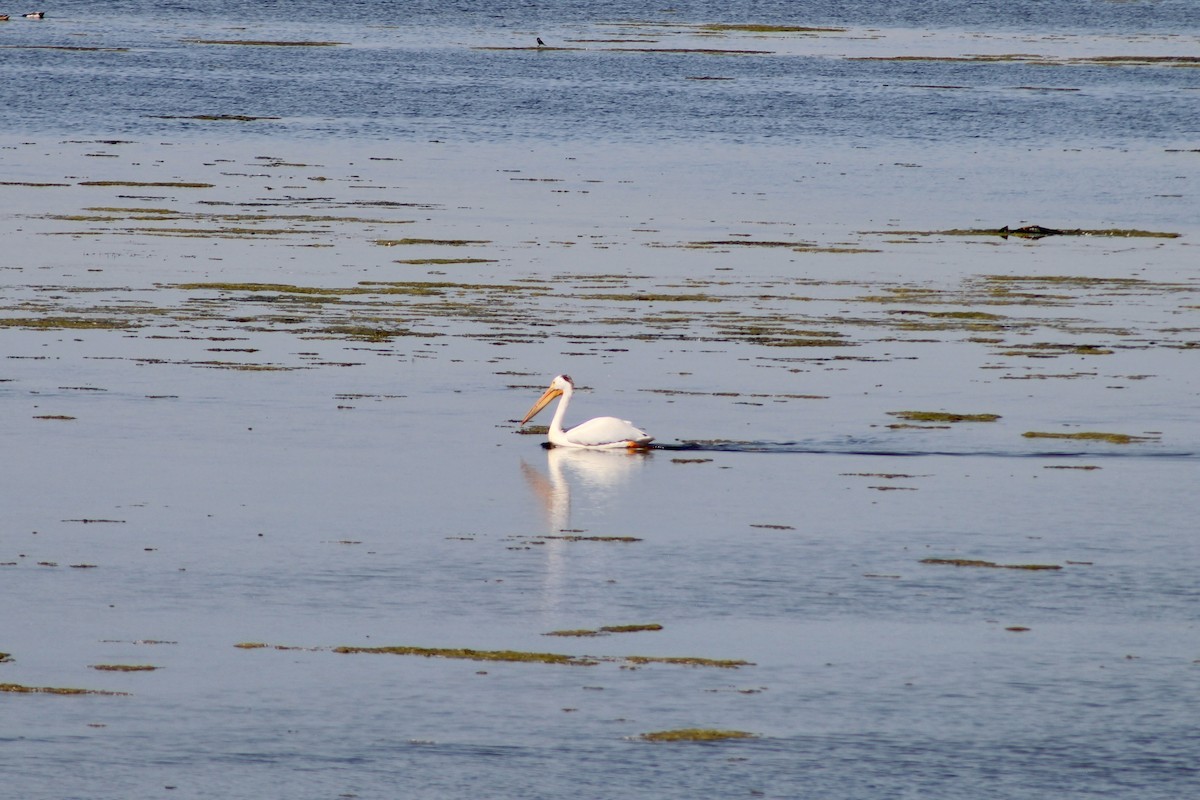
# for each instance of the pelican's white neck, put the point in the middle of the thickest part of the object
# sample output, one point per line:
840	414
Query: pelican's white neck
556	424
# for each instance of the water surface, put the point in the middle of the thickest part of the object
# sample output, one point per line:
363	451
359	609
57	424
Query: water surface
246	412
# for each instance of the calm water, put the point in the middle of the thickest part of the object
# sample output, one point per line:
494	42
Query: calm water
209	463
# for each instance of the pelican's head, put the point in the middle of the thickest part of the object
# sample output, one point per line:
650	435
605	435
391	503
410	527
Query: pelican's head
562	384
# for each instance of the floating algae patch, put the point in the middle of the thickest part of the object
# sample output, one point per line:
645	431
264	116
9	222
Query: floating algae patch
124	667
691	393
969	562
735	27
607	629
415	241
68	48
217	117
1139	61
444	261
706	51
533	430
1091	436
1086	282
686	661
517	656
652	626
413	288
472	655
220	233
153	184
654	297
67	323
367	333
579	538
696	735
265	646
942	416
1049	61
744	243
957	315
263	42
16	688
1052	350
1036	232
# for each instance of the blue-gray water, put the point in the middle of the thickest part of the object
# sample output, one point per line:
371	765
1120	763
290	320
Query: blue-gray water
201	448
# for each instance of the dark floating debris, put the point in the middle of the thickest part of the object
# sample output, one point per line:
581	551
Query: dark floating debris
262	42
1038	232
969	562
216	117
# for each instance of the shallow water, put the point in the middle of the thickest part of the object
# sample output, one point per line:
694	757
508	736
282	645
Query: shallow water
233	415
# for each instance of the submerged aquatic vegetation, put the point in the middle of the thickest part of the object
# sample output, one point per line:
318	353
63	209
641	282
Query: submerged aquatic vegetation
696	735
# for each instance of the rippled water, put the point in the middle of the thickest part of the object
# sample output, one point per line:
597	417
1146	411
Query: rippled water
244	412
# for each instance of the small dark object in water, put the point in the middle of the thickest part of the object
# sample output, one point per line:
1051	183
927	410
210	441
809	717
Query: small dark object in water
1030	232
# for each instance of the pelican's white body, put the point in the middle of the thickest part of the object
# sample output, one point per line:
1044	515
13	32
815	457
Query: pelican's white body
601	433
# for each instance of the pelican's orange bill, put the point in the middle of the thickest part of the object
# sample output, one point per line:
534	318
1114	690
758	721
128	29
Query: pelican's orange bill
541	403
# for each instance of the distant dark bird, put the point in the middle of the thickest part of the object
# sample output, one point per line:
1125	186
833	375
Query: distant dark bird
36	15
540	42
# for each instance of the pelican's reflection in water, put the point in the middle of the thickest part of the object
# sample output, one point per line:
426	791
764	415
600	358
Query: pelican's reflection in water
592	480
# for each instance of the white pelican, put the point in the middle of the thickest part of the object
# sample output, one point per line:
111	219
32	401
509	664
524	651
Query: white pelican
601	433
